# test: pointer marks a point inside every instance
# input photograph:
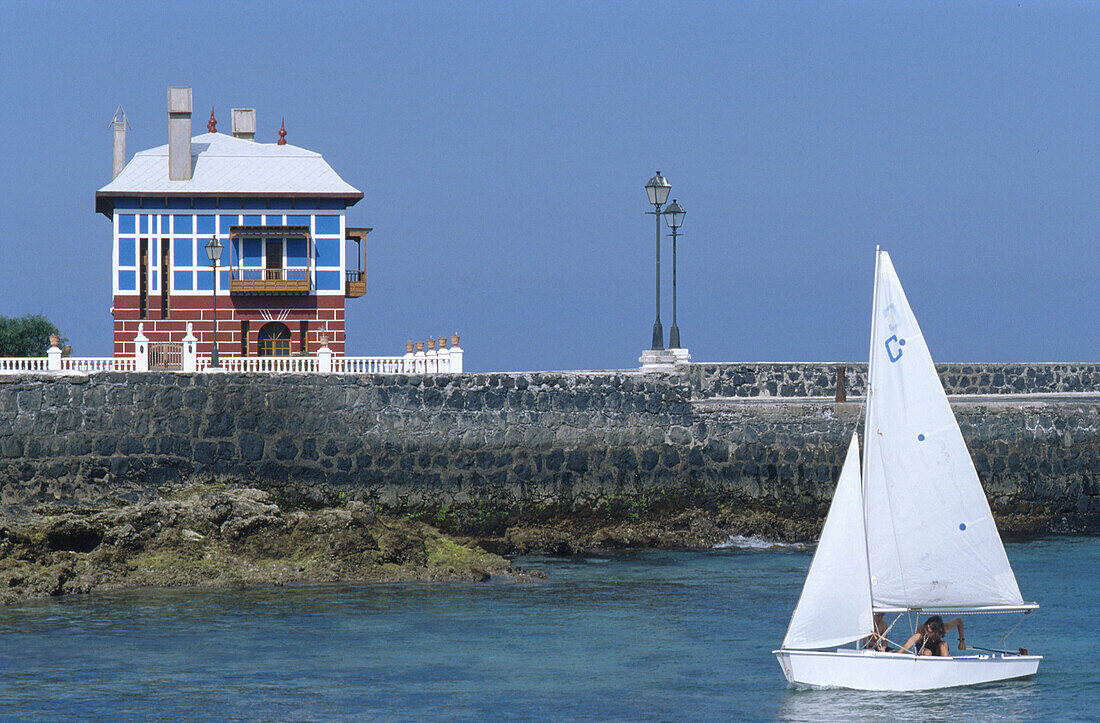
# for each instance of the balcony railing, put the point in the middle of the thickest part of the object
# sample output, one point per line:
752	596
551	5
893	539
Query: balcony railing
355	284
269	281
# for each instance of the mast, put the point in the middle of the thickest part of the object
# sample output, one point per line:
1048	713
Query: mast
867	433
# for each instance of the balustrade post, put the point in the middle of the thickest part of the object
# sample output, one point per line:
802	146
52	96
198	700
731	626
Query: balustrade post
444	356
431	365
418	360
407	360
456	355
189	350
53	354
324	357
141	350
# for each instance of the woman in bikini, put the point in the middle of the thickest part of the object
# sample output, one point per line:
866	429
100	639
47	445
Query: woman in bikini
928	640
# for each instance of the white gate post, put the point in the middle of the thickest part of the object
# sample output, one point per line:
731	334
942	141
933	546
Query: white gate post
141	350
189	353
53	354
324	357
456	355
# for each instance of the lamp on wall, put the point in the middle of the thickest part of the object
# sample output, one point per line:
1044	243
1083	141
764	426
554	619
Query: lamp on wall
214	253
658	189
674	217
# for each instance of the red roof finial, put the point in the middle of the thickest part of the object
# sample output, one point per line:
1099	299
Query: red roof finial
282	134
212	124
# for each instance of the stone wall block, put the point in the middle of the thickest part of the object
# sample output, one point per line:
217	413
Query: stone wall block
30	400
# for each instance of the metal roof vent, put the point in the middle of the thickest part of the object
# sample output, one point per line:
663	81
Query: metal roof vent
118	123
244	123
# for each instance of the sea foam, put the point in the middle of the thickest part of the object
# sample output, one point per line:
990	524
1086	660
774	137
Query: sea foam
753	543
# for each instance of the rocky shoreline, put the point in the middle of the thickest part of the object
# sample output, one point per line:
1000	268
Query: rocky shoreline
237	535
219	536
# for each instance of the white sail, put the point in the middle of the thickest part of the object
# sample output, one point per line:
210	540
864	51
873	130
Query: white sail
931	537
835	606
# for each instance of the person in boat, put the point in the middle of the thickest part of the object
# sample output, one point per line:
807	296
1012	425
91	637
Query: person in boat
877	640
928	640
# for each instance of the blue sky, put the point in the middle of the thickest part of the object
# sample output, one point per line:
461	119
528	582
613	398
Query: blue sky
503	149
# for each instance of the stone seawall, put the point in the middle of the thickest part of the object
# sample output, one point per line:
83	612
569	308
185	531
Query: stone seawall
496	446
800	379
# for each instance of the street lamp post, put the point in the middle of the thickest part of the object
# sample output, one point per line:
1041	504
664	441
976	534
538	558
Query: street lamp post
658	189
214	253
674	216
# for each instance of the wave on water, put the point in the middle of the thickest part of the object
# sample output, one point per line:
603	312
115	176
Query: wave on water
755	543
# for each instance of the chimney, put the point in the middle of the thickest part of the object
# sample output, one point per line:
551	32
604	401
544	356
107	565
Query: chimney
244	123
179	134
119	126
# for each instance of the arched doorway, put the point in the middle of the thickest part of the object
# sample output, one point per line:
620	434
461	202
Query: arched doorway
274	339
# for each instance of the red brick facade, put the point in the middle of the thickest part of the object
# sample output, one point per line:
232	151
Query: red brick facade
324	316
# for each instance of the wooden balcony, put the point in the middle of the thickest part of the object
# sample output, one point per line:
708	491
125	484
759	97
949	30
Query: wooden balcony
355	280
355	284
269	281
268	276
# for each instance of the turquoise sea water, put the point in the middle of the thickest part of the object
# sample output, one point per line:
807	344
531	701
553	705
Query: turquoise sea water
638	636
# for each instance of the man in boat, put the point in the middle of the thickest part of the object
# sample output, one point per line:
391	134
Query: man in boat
877	640
928	640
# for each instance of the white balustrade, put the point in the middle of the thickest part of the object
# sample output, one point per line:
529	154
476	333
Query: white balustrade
23	364
98	364
443	361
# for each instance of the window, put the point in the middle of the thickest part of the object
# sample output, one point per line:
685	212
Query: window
303	336
164	262
328	225
244	337
274	339
143	279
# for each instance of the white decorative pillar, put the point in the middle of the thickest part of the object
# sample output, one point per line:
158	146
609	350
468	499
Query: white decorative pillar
324	357
418	358
444	356
456	355
189	350
141	350
431	359
407	360
53	354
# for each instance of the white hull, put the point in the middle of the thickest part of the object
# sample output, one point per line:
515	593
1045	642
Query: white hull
870	670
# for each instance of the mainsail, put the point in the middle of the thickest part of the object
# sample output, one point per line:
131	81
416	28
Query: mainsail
931	538
835	606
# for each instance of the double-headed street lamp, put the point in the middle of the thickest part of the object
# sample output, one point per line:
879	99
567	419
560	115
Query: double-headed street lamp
674	216
214	253
658	189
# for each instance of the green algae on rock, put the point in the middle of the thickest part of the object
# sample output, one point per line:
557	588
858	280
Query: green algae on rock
219	536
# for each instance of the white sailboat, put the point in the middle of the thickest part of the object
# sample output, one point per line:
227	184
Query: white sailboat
911	537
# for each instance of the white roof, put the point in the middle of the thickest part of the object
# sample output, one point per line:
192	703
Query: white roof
223	164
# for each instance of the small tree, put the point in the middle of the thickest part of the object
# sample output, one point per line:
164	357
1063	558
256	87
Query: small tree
26	335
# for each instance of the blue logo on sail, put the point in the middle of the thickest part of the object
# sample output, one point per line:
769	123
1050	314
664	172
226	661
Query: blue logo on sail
893	347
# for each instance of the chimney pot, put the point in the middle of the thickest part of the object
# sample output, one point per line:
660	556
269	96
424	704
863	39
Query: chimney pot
179	134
